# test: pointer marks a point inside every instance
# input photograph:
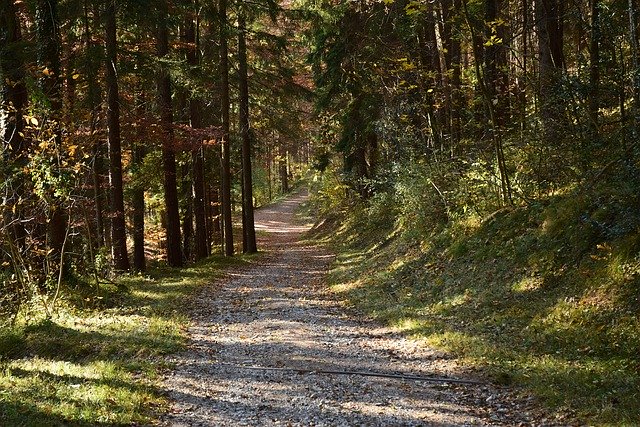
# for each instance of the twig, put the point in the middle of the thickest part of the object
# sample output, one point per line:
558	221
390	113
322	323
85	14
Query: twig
360	373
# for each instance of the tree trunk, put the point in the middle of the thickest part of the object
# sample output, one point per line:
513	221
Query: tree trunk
187	216
138	204
118	224
430	59
633	38
174	253
249	231
594	66
451	42
550	43
201	245
226	125
49	49
495	59
13	92
282	168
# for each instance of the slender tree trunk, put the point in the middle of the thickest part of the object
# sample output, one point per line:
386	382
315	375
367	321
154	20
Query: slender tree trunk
452	55
93	97
174	253
430	59
249	230
138	204
13	92
187	218
282	168
226	125
201	245
495	59
594	66
49	49
551	61
635	62
118	225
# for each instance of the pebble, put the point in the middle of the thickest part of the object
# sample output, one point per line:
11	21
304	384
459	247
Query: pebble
274	313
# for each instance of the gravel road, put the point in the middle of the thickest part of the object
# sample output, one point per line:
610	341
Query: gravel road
277	314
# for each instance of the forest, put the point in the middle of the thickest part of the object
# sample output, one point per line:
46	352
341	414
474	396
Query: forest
474	165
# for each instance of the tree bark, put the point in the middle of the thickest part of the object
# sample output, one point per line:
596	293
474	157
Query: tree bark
138	204
174	253
201	245
594	66
226	125
453	50
118	224
249	231
549	26
49	50
13	93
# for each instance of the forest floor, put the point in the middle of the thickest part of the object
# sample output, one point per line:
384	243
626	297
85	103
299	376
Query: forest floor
270	344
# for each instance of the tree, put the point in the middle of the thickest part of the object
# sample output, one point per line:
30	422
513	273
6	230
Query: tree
226	131
174	252
249	231
198	154
48	52
118	226
13	102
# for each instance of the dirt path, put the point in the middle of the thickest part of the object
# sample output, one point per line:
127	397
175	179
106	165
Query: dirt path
275	314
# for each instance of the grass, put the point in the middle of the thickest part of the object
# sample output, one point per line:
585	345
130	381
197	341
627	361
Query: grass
99	358
531	297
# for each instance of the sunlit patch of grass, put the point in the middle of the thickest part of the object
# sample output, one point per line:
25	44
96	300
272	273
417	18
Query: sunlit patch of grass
530	297
98	358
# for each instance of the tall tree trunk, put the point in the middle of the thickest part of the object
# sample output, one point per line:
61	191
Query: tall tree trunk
138	204
13	92
187	217
174	253
594	66
49	49
226	134
430	59
495	59
549	24
282	168
452	55
118	224
201	245
635	62
249	231
93	97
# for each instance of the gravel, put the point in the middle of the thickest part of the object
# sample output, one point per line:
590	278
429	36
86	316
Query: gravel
277	314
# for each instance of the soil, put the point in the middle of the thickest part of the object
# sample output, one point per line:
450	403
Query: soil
270	345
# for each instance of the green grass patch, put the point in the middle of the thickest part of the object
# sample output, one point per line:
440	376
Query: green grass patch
531	296
97	359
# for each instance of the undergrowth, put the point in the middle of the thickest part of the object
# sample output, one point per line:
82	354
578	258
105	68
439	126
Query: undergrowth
97	359
543	296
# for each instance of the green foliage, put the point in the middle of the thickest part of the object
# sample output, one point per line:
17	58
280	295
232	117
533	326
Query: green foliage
98	360
543	296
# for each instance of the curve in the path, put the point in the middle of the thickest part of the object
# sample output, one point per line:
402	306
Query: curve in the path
275	314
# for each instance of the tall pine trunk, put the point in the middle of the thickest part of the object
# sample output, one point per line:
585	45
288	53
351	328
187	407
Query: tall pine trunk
174	252
49	49
201	245
226	134
13	92
249	231
118	225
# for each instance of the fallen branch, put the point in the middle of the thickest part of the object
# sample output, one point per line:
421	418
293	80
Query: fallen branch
360	373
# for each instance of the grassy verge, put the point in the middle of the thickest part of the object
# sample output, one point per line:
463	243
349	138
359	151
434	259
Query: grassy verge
531	296
98	359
